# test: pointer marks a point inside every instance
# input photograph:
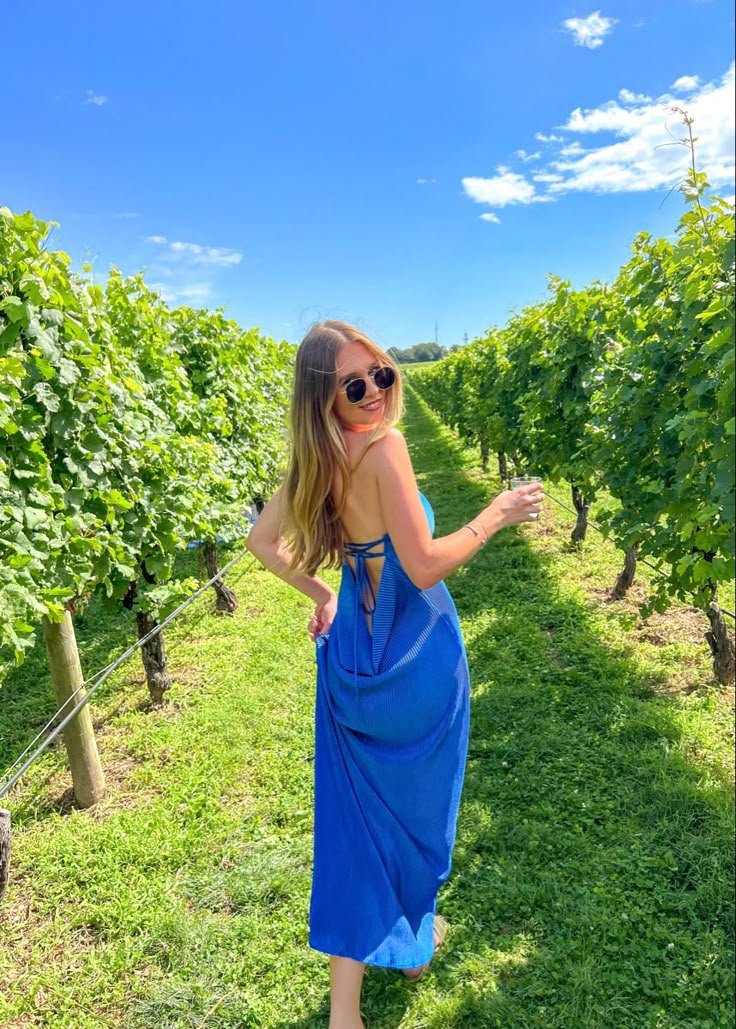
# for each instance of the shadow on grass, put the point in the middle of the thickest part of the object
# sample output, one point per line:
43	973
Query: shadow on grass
593	862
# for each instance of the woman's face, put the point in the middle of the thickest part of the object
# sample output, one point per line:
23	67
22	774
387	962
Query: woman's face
354	361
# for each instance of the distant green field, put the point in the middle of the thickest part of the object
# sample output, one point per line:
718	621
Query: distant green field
417	364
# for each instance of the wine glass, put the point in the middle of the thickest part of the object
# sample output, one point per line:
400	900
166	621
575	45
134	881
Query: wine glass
523	480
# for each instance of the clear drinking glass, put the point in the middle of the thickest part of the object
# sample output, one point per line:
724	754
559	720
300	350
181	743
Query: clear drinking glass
523	480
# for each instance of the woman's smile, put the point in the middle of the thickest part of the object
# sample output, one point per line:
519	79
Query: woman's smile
373	406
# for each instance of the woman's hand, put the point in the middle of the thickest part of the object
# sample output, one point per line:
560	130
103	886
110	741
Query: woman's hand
323	616
522	504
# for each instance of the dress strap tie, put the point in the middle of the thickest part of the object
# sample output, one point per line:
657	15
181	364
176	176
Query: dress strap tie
365	591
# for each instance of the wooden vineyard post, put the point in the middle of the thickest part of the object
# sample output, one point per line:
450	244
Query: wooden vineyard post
88	777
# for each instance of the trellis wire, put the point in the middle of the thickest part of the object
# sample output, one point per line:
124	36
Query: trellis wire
99	677
643	560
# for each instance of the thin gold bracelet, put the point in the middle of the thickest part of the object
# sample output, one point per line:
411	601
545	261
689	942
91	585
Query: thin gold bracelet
475	531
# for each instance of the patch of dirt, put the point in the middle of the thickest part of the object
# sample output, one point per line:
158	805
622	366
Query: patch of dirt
679	624
17	919
543	528
185	675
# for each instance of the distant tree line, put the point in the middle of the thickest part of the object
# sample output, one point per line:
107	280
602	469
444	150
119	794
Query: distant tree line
421	352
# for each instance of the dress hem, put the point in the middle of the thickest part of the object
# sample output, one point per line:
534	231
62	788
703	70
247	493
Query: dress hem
376	964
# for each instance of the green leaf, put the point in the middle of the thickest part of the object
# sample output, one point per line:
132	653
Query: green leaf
14	308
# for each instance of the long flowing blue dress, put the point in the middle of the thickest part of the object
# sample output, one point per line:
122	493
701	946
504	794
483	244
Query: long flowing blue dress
392	718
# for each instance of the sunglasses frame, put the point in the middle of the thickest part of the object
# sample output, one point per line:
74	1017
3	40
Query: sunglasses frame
360	378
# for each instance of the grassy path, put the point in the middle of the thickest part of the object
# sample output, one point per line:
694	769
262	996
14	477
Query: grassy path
593	868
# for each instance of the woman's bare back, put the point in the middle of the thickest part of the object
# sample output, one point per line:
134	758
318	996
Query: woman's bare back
362	518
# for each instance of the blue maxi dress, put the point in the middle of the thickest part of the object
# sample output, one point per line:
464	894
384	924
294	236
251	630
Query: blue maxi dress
392	718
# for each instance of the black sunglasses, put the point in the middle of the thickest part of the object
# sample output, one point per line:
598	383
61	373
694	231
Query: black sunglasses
383	377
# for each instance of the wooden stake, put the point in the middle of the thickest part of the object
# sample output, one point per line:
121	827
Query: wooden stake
88	777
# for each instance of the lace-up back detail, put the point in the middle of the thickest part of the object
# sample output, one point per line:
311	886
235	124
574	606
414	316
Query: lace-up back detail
360	552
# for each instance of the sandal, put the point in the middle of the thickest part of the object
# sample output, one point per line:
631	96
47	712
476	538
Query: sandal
441	928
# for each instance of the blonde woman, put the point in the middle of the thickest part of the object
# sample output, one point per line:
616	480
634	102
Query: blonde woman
392	706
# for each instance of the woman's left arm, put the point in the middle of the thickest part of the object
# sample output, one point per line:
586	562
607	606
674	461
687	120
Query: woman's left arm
266	542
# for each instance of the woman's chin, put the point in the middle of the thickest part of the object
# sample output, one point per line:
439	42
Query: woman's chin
365	421
362	420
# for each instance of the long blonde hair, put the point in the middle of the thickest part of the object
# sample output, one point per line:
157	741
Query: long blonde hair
317	445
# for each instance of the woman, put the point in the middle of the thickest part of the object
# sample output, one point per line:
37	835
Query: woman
392	705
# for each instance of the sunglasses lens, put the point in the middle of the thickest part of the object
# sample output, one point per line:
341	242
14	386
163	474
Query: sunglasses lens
384	377
355	391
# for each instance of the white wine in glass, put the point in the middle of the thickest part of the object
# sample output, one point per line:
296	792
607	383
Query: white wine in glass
523	480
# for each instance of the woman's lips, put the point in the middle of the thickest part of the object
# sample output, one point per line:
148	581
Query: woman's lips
373	406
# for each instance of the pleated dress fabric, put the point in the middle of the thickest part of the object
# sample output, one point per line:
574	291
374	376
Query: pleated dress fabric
392	719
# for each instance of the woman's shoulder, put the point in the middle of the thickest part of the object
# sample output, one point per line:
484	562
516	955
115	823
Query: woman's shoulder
391	461
391	442
388	451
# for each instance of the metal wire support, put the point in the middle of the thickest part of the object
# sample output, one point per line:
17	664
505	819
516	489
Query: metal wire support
99	677
641	560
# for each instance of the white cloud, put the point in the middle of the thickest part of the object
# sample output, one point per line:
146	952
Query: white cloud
200	291
178	267
685	84
195	254
93	98
590	31
645	153
423	182
573	149
501	190
627	97
527	157
641	159
490	217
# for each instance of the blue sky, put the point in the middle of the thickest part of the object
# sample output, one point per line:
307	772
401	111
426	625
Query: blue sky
392	164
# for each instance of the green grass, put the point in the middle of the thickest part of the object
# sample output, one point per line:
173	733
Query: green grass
593	870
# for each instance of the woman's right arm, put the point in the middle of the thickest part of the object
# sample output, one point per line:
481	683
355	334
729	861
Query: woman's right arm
266	542
425	560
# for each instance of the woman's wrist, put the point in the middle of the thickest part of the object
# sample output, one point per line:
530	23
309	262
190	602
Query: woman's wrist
323	593
478	531
489	521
